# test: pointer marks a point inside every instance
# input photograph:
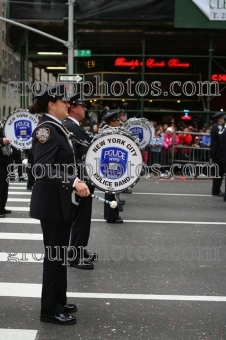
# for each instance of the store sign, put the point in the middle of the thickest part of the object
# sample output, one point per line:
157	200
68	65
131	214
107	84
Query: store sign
186	115
151	63
213	9
221	78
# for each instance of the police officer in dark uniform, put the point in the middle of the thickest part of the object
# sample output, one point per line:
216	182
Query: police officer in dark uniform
111	215
5	160
81	224
215	153
55	173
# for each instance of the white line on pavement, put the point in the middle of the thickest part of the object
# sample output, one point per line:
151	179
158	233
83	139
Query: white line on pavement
33	290
34	221
18	334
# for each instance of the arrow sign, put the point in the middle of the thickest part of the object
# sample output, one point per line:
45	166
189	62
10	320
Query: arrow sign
70	77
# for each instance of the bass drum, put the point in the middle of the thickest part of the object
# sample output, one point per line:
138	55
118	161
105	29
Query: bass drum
113	161
19	127
140	129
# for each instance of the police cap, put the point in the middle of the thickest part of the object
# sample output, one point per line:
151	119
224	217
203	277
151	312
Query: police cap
218	115
77	100
111	116
53	92
103	113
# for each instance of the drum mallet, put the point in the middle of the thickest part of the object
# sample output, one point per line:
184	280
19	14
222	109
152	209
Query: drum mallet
113	204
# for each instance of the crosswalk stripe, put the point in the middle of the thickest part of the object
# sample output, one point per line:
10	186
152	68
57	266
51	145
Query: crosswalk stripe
33	290
18	200
18	208
18	334
21	236
19	193
34	221
21	257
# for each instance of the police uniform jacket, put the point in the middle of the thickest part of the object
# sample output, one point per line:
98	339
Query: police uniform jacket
51	195
4	159
79	132
222	138
215	143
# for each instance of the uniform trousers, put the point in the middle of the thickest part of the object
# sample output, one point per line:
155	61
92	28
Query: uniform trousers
109	213
4	186
218	181
80	229
55	237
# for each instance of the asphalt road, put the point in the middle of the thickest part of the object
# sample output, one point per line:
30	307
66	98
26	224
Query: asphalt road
160	275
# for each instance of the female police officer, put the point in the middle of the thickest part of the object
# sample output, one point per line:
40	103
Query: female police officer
55	172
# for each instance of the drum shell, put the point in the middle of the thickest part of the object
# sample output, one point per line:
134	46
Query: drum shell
19	127
113	161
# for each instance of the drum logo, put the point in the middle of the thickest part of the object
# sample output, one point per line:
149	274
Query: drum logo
23	129
113	162
137	132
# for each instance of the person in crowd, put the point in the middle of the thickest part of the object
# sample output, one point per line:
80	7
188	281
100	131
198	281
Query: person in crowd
95	129
206	140
56	178
170	140
111	215
80	230
215	153
222	139
5	160
156	147
185	139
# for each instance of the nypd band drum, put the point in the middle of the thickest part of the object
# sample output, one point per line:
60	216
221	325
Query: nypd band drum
113	161
140	129
19	127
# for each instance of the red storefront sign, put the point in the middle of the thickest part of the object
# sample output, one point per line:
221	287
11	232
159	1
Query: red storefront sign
219	77
151	63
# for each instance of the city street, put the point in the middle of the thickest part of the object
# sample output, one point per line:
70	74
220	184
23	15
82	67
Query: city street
160	275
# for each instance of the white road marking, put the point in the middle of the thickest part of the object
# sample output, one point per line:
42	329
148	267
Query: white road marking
34	221
18	334
33	290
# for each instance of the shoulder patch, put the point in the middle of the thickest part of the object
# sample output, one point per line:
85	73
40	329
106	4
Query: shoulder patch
42	134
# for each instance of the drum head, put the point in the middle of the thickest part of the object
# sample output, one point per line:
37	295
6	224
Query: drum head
139	129
113	162
19	127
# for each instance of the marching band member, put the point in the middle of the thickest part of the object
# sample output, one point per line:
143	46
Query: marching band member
80	229
55	172
111	215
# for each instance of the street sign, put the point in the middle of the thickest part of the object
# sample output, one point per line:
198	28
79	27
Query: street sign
71	77
82	53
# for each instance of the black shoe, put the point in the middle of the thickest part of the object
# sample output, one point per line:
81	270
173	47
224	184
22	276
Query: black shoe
60	319
89	256
219	194
81	264
29	188
5	211
127	191
2	215
22	179
122	202
70	308
115	221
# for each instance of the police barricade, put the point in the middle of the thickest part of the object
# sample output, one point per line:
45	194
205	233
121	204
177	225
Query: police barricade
189	160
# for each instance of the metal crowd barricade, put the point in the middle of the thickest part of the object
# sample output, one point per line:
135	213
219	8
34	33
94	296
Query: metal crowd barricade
191	160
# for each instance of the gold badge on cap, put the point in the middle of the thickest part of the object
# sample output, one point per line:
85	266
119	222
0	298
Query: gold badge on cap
42	134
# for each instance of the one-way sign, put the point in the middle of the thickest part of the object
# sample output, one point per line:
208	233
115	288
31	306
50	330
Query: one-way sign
70	77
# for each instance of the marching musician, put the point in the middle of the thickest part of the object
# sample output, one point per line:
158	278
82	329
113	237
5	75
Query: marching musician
56	177
111	215
80	229
5	160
